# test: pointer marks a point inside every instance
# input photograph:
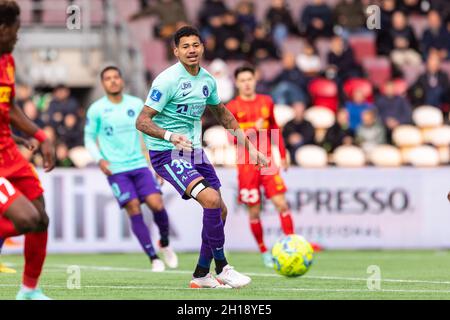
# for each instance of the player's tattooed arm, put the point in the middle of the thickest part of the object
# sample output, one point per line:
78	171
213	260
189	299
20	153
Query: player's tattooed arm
145	124
21	122
229	122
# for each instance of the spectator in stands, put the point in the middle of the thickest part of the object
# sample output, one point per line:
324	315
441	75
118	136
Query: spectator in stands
290	84
230	39
371	132
356	107
405	48
349	14
308	61
316	20
61	105
171	15
280	21
262	46
411	7
383	37
62	156
432	87
436	37
225	86
298	132
245	10
341	61
210	16
70	131
338	134
393	109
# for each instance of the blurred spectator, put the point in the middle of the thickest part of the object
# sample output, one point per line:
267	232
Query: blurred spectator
356	107
263	86
280	21
383	39
436	37
171	15
411	7
349	14
298	132
245	10
62	156
210	16
308	61
371	132
70	132
262	46
339	134
316	20
405	48
220	72
32	112
230	39
61	105
341	61
37	11
432	87
393	110
290	84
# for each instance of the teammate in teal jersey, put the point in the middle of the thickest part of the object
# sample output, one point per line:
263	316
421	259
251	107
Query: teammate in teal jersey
171	121
111	123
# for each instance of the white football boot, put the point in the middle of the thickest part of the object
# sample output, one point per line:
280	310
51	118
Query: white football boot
207	282
170	257
158	266
233	278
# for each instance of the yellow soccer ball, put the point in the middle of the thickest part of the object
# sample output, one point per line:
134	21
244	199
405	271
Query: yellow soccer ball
292	256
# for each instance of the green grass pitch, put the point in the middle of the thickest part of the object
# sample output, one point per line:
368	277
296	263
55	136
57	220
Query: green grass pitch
334	275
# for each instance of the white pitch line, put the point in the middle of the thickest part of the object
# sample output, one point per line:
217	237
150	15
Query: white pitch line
151	288
266	275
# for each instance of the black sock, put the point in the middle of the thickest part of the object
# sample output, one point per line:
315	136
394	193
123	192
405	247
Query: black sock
164	242
220	264
155	257
200	272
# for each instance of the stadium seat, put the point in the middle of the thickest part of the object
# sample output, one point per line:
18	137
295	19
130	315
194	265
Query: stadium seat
283	114
385	156
349	157
216	137
439	137
25	12
323	48
80	157
320	117
270	69
155	55
427	117
424	156
378	70
54	13
293	45
400	87
412	73
363	47
444	155
324	92
407	136
359	83
311	157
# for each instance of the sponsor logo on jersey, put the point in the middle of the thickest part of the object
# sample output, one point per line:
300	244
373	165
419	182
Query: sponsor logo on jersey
186	85
131	113
156	95
5	94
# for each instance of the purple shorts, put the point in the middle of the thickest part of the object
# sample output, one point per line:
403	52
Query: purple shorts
135	184
181	168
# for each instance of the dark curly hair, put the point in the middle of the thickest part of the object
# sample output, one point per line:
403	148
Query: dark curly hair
9	12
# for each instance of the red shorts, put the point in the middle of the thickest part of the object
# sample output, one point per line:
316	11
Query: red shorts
8	194
22	175
250	181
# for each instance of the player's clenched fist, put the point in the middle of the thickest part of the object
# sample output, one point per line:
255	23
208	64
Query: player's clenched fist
181	142
48	153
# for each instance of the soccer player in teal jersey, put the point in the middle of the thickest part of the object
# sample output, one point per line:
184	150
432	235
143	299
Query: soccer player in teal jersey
171	122
111	122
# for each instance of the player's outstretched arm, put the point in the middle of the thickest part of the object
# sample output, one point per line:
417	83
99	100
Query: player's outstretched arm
229	122
145	124
21	122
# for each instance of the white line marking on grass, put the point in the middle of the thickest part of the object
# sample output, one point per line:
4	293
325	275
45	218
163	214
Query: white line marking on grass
150	288
253	274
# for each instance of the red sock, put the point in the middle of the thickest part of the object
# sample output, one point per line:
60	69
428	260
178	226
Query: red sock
286	222
7	228
258	233
35	252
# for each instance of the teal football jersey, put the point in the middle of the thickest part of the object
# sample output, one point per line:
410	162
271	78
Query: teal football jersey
181	99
